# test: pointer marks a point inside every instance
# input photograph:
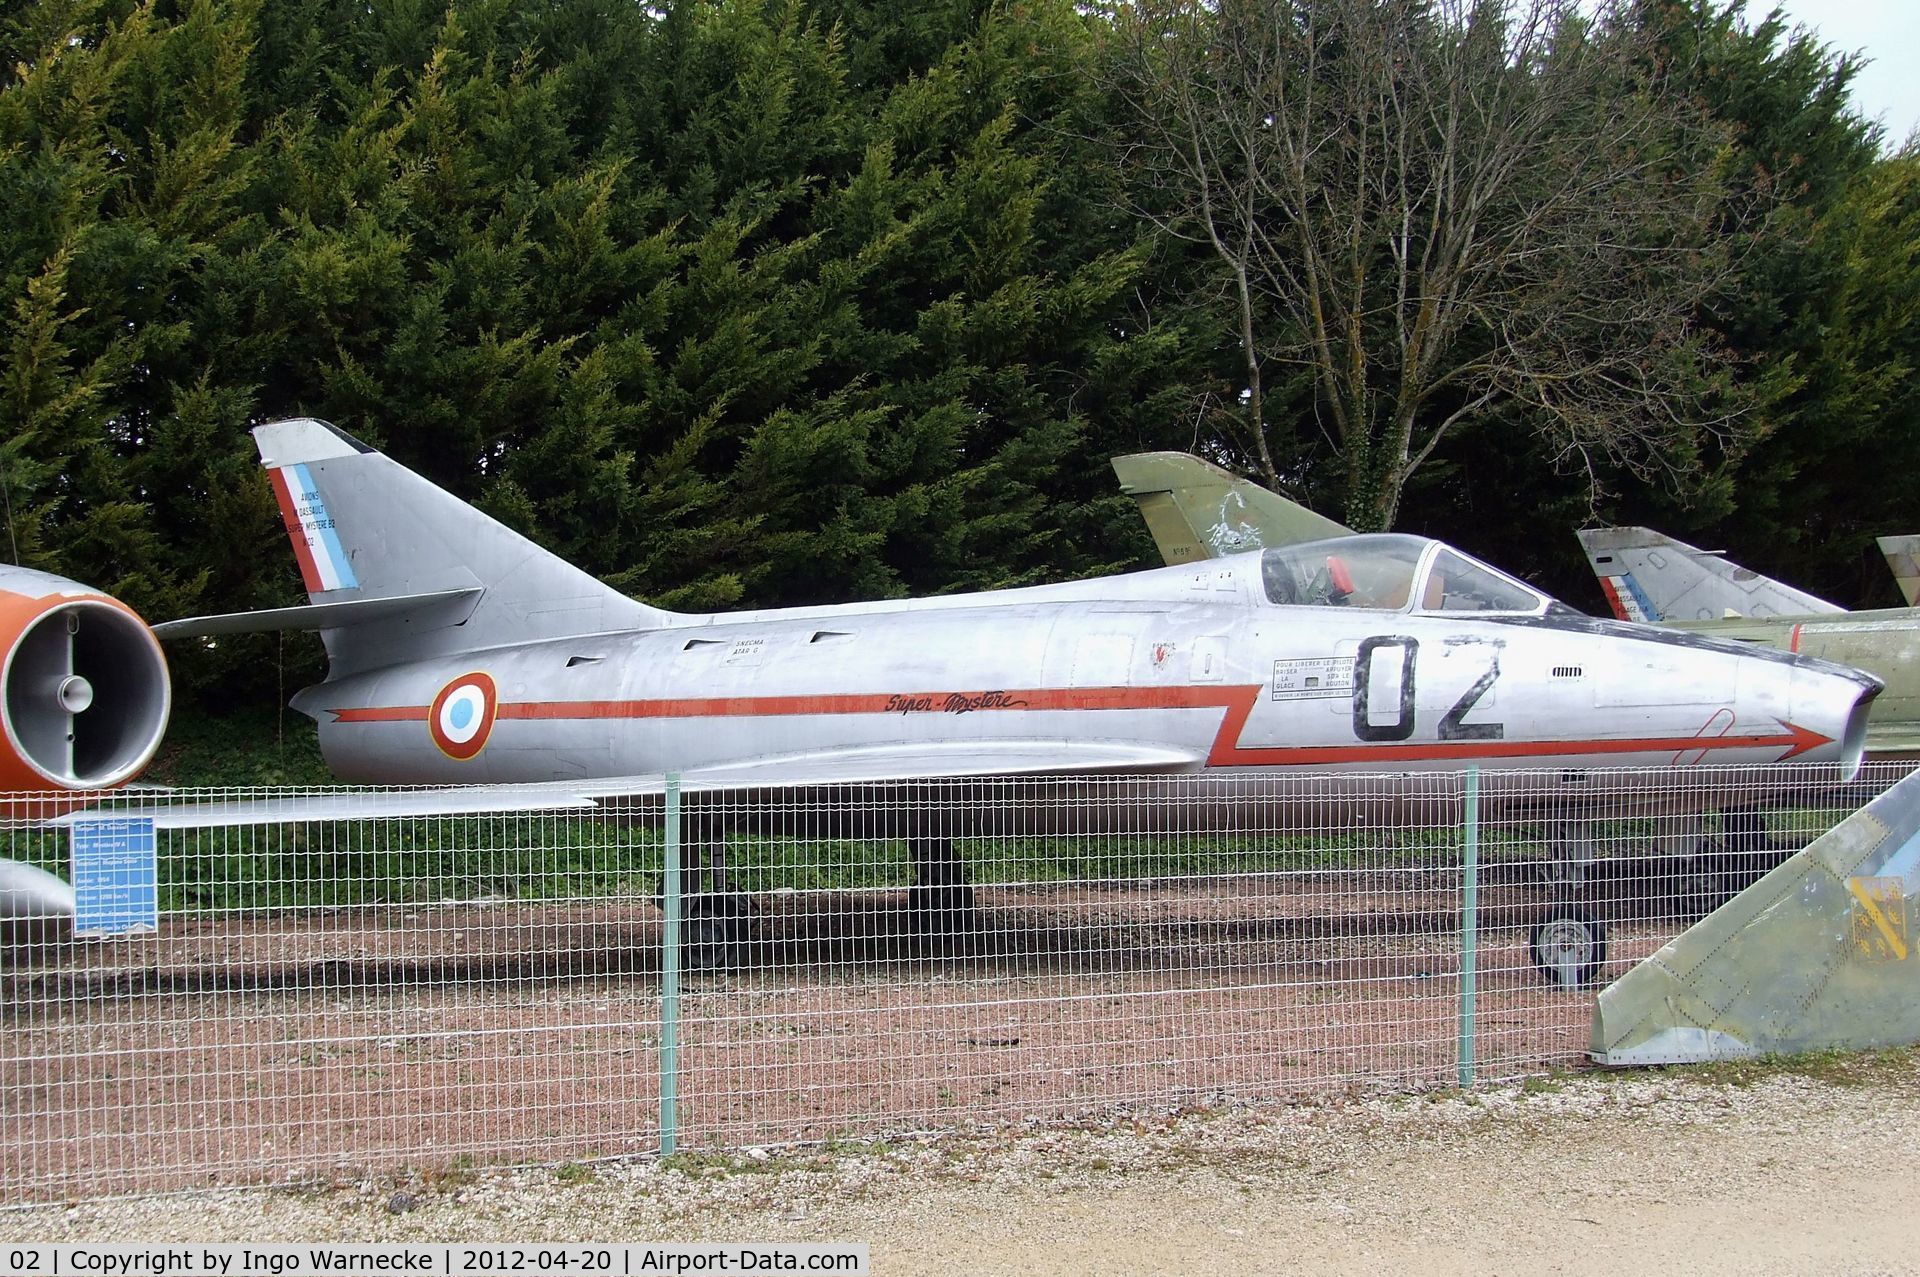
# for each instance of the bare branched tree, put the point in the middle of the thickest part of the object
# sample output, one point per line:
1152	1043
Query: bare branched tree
1436	210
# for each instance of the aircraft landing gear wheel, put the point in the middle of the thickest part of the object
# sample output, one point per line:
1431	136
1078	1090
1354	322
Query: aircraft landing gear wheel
1569	946
1570	855
715	930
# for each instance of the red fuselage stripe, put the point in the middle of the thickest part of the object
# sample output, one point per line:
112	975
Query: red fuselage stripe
1225	752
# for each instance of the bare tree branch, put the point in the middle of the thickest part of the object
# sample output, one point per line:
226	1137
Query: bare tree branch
1439	208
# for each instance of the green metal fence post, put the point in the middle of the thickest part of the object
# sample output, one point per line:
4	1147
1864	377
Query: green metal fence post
1469	923
670	976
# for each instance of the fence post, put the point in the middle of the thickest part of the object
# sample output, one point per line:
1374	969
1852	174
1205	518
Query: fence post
670	976
1469	923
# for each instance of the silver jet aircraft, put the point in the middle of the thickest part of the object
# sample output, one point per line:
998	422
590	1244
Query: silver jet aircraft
461	652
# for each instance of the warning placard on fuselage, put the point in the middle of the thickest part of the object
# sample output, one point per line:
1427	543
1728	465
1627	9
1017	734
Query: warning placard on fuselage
1312	678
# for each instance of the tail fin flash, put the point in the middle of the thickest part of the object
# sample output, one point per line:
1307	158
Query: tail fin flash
1648	576
395	567
1196	510
1903	556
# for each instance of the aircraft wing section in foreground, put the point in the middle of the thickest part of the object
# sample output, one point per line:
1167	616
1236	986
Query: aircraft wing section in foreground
1817	954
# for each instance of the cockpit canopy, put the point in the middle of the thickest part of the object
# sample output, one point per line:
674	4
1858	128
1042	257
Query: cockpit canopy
1391	572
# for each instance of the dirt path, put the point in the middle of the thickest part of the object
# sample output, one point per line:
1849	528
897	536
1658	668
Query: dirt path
1771	1168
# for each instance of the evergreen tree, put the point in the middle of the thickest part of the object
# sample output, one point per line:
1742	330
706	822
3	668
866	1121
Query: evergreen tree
1799	152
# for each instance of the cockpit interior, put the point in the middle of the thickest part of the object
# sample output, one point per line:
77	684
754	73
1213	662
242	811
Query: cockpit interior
1392	572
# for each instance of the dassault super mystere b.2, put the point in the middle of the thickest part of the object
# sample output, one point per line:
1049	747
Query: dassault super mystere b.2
461	652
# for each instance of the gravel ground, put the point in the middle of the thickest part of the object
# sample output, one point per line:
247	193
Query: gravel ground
1780	1168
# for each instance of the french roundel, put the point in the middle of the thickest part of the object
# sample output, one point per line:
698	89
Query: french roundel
462	715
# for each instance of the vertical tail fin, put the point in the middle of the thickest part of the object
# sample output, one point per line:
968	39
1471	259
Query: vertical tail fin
1903	556
1196	510
397	569
1648	576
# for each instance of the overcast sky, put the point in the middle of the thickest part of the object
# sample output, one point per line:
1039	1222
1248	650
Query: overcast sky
1888	33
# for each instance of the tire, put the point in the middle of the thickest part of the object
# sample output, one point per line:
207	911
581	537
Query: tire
715	931
1569	946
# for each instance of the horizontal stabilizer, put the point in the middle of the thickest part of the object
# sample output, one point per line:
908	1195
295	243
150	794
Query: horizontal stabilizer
27	892
426	611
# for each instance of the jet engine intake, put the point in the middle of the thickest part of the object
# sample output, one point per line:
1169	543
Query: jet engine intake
84	694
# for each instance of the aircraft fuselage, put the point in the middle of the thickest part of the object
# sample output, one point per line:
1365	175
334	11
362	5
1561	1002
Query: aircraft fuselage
1191	665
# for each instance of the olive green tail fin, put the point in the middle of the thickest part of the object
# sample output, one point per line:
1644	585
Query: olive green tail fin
1196	510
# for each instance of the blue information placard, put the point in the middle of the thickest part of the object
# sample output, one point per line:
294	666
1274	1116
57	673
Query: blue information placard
116	877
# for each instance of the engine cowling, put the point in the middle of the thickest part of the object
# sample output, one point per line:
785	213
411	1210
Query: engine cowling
84	693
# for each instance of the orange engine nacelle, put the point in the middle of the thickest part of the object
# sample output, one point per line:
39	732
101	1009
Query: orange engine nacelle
84	694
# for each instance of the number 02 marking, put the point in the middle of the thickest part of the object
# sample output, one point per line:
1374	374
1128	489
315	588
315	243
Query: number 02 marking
1401	727
1453	724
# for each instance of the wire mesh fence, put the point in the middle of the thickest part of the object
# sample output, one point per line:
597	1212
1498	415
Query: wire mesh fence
327	999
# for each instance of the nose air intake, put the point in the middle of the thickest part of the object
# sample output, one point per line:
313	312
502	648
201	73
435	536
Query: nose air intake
1835	701
85	695
1853	742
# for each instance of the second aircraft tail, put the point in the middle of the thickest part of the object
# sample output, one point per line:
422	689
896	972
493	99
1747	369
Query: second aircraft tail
1903	556
1196	510
1650	577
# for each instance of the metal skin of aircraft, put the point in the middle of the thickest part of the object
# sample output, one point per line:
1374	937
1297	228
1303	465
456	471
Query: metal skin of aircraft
1817	954
1648	576
460	652
84	699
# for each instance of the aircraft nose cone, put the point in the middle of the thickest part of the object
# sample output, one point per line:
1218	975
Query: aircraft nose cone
1833	701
